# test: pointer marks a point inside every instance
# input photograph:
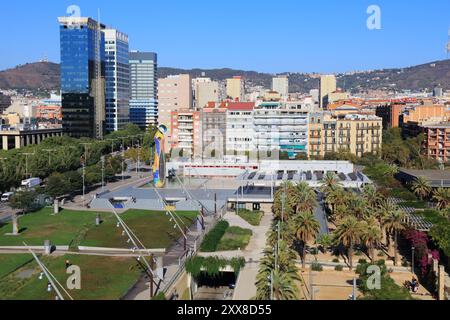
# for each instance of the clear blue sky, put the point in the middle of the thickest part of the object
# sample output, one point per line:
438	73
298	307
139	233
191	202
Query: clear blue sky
262	35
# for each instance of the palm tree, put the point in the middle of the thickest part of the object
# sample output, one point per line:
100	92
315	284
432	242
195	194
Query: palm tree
421	188
334	198
305	198
372	238
358	207
306	229
394	223
385	208
442	197
284	205
371	195
349	233
330	182
281	283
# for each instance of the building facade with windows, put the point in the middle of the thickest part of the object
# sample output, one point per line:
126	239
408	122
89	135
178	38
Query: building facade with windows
281	127
186	134
82	43
144	89
240	130
117	80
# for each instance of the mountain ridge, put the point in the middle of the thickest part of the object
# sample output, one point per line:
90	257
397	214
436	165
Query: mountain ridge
45	76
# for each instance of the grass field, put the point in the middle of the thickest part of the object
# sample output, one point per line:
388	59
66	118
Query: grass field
62	229
252	217
102	278
75	228
153	228
235	238
9	263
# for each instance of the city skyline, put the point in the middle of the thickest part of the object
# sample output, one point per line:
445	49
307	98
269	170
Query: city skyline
323	37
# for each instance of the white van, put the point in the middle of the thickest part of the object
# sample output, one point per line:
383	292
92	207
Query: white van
7	196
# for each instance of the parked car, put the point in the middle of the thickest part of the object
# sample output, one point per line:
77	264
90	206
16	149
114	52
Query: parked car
6	197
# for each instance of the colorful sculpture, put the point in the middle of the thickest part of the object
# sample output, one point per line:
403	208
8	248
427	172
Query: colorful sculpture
159	154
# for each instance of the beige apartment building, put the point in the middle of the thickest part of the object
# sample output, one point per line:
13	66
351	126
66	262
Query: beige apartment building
327	86
235	88
355	133
205	90
174	93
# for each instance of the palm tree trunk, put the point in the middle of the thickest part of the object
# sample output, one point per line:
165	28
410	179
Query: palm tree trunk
372	253
304	255
350	256
395	247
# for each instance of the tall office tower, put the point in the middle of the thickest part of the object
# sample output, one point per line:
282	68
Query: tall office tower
174	93
327	86
117	80
235	88
205	90
144	89
281	85
82	76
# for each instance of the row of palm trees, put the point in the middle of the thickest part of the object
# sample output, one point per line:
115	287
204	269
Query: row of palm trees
294	222
367	220
422	189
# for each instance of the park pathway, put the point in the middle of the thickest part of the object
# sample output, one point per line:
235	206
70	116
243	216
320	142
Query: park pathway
245	286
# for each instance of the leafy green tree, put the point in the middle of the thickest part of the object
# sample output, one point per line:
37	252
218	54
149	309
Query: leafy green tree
24	201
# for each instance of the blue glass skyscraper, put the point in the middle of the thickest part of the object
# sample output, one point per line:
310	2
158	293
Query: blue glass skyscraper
82	76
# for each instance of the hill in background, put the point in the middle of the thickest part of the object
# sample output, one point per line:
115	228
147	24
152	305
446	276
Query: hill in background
45	76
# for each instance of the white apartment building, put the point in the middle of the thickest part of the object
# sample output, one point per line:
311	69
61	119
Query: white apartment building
281	127
240	130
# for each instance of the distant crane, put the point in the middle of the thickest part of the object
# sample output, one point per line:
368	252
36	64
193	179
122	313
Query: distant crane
448	44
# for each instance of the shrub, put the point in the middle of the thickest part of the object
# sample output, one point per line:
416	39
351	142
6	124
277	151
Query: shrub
362	261
212	239
316	267
339	268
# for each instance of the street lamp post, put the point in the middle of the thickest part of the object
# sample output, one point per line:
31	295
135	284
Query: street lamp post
26	162
49	155
103	173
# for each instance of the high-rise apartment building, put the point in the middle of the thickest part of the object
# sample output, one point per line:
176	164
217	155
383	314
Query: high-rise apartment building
327	86
117	80
144	89
174	93
82	76
281	85
235	88
281	127
205	90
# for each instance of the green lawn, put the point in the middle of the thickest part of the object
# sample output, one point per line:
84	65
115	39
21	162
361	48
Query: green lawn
75	228
62	229
9	263
102	278
252	217
235	238
153	228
